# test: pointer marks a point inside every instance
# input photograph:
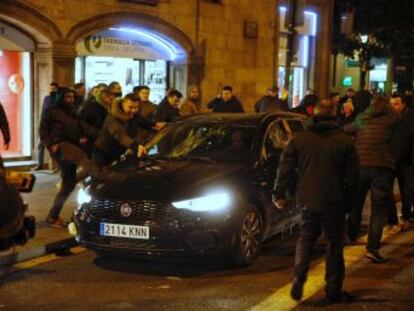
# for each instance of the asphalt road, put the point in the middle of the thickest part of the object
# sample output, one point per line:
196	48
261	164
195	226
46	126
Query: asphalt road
83	281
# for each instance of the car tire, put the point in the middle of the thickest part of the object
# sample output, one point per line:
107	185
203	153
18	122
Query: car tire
248	238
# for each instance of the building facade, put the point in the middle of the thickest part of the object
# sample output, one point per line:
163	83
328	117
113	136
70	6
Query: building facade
160	43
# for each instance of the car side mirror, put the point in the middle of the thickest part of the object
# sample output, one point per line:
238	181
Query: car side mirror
23	182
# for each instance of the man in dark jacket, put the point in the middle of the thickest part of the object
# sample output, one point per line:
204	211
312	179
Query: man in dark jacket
403	167
120	133
271	102
48	102
227	102
146	107
373	129
4	127
168	110
63	134
327	165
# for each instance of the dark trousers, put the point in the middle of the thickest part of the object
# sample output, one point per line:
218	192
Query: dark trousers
404	179
379	181
69	157
333	225
40	154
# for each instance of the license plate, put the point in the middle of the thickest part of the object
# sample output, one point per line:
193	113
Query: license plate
124	231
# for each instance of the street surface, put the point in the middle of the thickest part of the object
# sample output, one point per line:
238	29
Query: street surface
82	281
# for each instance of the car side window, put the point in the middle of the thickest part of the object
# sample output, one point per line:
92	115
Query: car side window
296	126
275	141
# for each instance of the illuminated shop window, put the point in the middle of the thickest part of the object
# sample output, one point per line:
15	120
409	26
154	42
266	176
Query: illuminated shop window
15	96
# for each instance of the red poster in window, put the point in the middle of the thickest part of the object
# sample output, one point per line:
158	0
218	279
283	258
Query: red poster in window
11	93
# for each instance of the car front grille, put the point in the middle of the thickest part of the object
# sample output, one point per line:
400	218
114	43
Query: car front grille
143	212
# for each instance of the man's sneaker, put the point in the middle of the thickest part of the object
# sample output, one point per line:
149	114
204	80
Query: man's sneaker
57	223
375	256
296	291
38	168
393	229
343	297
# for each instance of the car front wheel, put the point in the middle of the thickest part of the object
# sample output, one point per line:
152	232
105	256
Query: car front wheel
249	237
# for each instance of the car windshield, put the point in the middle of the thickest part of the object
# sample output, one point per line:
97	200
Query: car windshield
210	142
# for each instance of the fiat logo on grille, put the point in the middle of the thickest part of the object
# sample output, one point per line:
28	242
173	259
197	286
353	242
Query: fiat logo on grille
126	210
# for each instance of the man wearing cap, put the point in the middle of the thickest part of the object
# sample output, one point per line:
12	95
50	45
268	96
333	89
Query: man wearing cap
271	102
326	163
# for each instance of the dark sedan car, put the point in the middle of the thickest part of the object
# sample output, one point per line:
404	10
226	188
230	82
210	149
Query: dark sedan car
205	187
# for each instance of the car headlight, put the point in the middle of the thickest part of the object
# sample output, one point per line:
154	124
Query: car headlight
83	196
208	203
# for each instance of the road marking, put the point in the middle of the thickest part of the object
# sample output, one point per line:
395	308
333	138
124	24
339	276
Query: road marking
281	300
38	261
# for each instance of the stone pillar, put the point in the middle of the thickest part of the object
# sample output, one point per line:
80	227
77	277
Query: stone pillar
63	57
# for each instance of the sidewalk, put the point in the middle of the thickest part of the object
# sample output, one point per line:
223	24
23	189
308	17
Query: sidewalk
48	239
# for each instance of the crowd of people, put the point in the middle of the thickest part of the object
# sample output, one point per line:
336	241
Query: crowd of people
353	145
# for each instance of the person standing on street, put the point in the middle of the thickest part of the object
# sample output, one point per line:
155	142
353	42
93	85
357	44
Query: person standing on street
5	129
48	102
326	163
226	102
402	170
271	102
373	129
168	111
65	136
191	104
146	107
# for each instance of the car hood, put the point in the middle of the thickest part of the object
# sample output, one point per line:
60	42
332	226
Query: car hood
167	180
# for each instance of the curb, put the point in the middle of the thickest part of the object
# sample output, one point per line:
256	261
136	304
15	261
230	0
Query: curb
37	251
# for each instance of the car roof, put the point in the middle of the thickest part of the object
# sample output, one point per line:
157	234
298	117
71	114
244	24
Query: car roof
254	119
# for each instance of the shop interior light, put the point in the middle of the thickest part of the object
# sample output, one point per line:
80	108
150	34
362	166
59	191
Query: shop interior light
172	51
311	15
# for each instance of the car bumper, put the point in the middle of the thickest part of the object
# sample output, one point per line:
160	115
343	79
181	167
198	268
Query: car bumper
186	235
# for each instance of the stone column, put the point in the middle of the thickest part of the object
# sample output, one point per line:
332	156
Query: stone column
63	57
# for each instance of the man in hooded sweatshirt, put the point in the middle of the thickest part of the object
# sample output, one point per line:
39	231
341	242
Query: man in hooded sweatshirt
65	136
326	163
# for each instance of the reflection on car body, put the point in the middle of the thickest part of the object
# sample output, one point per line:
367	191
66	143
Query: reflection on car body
206	187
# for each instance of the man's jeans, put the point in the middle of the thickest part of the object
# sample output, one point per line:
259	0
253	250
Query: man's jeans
69	157
333	225
379	181
403	177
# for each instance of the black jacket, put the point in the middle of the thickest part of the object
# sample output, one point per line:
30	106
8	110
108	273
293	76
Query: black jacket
165	112
61	124
117	135
4	125
269	104
327	167
374	128
403	140
219	105
93	113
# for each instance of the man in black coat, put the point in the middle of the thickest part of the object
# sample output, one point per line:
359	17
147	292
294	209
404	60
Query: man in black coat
64	136
49	101
403	168
227	102
4	127
327	174
168	111
271	102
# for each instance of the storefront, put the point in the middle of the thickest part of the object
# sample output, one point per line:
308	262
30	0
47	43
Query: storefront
16	50
132	56
302	71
